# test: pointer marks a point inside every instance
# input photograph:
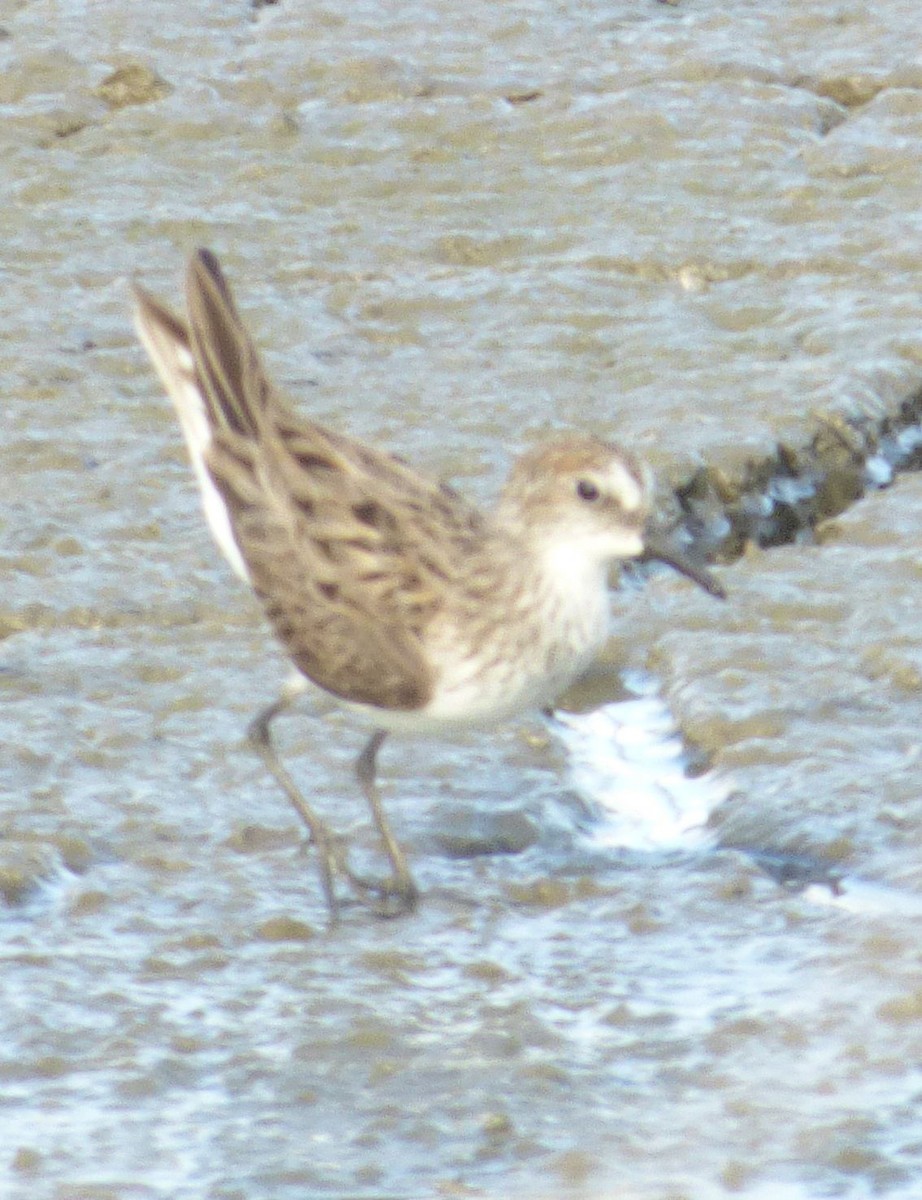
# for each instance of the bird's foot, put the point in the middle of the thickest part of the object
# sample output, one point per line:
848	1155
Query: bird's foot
389	896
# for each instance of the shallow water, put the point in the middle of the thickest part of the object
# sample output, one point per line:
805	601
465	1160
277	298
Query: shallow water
689	227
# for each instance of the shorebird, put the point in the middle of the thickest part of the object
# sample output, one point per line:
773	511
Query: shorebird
388	590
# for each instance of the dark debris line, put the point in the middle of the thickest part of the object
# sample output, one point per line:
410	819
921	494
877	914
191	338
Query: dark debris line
782	498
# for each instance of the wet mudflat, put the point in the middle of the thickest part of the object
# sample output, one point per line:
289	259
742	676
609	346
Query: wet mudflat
689	227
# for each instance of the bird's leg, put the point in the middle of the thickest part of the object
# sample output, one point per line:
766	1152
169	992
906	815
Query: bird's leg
261	740
396	894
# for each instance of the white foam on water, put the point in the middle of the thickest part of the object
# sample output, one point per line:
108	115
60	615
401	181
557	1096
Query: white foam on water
628	763
629	766
865	897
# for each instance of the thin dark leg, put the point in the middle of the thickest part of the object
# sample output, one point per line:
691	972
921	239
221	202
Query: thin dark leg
261	741
398	893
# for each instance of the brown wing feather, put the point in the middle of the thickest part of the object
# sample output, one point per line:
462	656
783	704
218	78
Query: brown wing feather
234	384
333	533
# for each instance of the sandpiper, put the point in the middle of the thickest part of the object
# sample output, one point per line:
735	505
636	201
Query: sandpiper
387	589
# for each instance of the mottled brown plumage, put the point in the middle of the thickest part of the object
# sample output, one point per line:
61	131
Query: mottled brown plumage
388	590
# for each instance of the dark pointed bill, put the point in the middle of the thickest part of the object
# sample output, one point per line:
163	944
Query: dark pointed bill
662	551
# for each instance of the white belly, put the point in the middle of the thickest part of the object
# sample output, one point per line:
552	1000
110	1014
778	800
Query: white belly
524	666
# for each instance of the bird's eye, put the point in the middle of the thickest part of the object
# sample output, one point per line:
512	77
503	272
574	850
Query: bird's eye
587	490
